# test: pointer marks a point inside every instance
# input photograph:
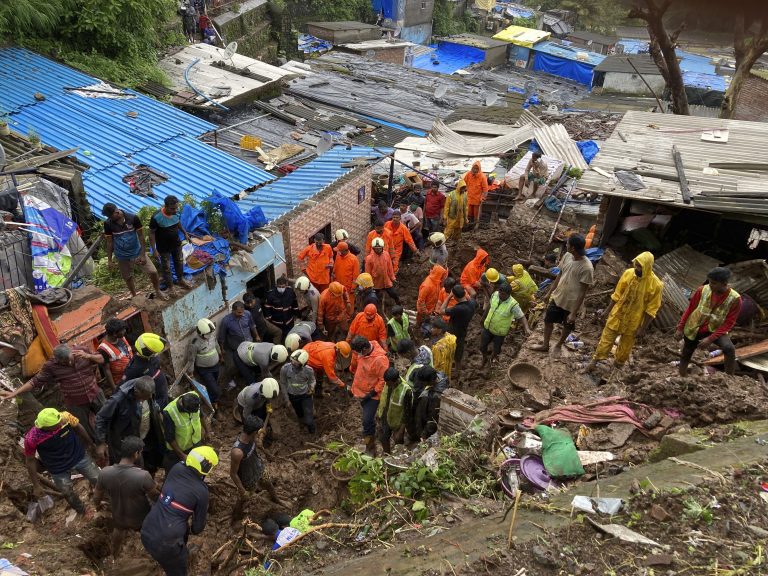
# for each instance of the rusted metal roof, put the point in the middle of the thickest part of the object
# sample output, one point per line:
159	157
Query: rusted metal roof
686	266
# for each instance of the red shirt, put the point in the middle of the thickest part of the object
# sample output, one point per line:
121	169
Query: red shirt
717	299
433	204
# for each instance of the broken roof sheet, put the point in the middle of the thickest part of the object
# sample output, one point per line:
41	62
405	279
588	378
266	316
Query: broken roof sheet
572	53
593	37
643	62
521	36
643	141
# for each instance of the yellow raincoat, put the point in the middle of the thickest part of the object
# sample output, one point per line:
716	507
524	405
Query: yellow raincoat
633	298
443	352
455	212
523	286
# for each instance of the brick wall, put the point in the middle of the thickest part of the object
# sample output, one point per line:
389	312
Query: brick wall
337	206
752	103
390	56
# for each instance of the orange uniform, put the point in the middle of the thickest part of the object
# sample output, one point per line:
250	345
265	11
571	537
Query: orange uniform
429	292
322	359
333	311
369	374
370	325
345	270
477	189
385	235
470	276
451	301
318	267
400	236
379	266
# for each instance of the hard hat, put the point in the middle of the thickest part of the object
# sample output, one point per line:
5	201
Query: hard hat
278	354
341	234
292	341
518	270
336	288
205	326
269	388
47	417
365	280
492	275
202	459
302	283
344	348
149	344
437	238
378	242
301	357
370	310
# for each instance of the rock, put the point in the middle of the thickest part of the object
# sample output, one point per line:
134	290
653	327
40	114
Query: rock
658	433
757	531
659	560
537	397
634	487
652	421
676	445
658	513
543	556
321	544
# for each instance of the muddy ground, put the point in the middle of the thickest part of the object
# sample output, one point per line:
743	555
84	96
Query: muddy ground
300	466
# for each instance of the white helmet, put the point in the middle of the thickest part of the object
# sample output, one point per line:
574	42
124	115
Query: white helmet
205	326
301	356
378	242
437	238
292	341
302	283
341	234
278	354
270	388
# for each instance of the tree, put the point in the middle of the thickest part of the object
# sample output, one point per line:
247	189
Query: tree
24	18
662	48
597	15
749	43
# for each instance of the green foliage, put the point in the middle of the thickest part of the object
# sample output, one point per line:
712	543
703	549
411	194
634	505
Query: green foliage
696	512
23	18
598	15
444	22
575	173
525	22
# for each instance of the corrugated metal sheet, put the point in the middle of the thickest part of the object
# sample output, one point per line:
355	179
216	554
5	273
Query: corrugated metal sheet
281	197
112	142
686	266
642	62
751	277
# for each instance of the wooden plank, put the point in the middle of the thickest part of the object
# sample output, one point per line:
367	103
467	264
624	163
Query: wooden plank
37	161
742	353
681	174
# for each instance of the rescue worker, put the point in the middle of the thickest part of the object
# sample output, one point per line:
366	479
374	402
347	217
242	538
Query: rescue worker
398	328
204	357
267	331
711	314
58	444
372	363
246	468
429	293
346	267
370	325
256	399
236	328
146	362
434	202
307	297
184	428
633	306
366	293
131	411
183	497
342	235
502	313
455	211
477	190
334	312
459	315
447	299
262	355
523	287
444	348
300	335
429	384
326	359
401	236
536	171
379	265
471	275
382	232
319	261
281	307
438	254
489	283
394	408
116	350
297	384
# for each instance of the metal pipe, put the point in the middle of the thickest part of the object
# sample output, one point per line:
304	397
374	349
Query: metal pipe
91	250
391	180
658	101
195	90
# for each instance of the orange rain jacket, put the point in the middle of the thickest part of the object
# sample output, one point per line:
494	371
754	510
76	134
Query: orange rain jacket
470	276
379	266
400	235
374	330
345	270
322	358
388	241
318	263
332	308
369	374
429	292
477	185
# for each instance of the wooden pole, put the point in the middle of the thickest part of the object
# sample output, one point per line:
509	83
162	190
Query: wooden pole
658	101
686	192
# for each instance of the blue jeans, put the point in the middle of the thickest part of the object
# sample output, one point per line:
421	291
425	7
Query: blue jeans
303	405
369	416
63	481
209	377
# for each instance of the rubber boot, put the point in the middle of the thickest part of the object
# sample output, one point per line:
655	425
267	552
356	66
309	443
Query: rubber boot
386	446
370	446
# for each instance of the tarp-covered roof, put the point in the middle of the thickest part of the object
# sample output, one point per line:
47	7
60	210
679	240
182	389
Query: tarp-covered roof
521	36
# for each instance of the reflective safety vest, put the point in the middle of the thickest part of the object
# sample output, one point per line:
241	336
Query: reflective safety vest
705	314
392	404
187	426
118	359
400	330
500	315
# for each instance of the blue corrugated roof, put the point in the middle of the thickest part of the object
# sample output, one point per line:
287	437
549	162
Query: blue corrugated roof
282	196
110	141
568	52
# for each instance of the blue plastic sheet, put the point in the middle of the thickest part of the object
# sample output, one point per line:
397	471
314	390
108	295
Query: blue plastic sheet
581	73
234	219
706	81
385	7
193	221
588	149
449	57
256	218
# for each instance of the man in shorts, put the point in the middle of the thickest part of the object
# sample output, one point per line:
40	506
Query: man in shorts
124	235
535	172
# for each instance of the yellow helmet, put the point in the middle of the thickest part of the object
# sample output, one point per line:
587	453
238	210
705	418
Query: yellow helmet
492	275
365	280
149	344
203	459
47	417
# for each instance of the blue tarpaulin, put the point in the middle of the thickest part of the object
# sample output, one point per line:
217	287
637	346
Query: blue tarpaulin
385	7
707	81
449	57
578	71
588	149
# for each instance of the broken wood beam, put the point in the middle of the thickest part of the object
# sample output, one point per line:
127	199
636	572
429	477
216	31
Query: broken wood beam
681	174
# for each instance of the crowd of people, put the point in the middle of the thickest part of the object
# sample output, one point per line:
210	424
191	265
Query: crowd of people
331	330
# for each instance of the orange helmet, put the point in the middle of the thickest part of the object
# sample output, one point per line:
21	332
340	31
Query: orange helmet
336	288
344	348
